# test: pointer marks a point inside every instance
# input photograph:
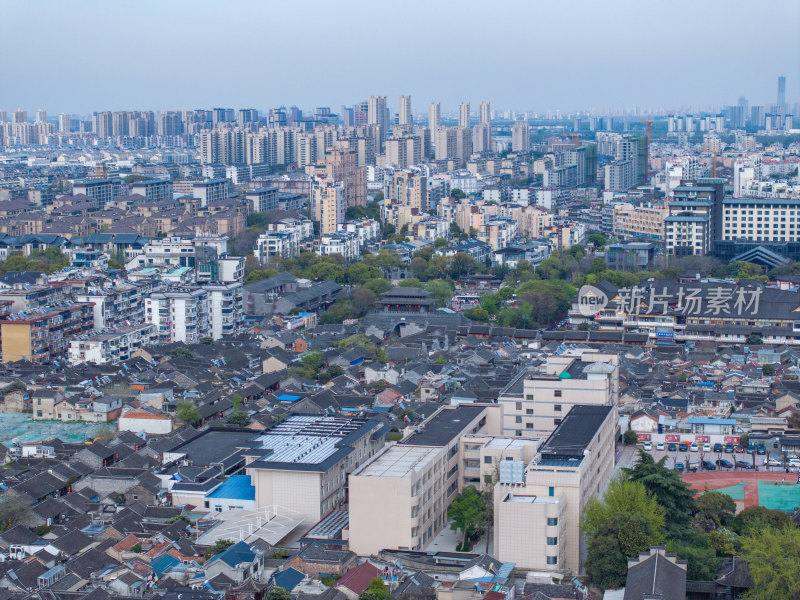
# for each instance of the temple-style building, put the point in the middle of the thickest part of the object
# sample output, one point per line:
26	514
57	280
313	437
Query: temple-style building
407	300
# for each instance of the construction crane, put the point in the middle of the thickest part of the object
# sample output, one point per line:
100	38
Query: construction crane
647	146
574	136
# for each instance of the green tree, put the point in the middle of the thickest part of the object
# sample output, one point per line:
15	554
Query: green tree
259	274
218	547
630	438
187	412
238	418
440	360
624	497
363	301
754	340
440	243
714	510
773	556
754	518
376	590
467	512
611	545
441	291
378	285
106	433
744	440
182	352
410	282
598	239
606	564
675	496
359	340
381	356
335	370
12	512
312	360
457	194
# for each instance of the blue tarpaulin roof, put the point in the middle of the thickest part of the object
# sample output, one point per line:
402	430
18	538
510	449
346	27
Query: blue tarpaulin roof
288	398
236	487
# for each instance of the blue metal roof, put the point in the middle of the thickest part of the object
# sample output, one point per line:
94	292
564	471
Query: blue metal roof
288	398
288	579
163	563
237	487
240	552
710	421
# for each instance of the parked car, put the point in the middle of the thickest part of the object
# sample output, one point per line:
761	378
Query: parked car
739	450
706	447
660	446
693	448
728	448
694	465
724	464
709	466
743	464
672	447
647	446
683	447
773	462
718	448
761	449
679	466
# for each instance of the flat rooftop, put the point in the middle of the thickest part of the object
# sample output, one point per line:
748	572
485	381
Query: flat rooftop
531	499
575	432
307	442
444	426
399	461
214	446
509	443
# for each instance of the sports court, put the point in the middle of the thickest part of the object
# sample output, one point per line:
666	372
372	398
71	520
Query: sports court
778	491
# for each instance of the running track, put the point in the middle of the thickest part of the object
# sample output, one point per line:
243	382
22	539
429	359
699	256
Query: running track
718	479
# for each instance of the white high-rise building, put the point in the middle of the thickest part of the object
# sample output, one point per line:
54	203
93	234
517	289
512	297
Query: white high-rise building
463	114
180	315
376	115
521	137
485	113
404	111
434	117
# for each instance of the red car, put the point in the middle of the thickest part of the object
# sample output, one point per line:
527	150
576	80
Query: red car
739	449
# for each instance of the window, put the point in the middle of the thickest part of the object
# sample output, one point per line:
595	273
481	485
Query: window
557	407
487	460
518	406
552	541
557	393
551	491
529	425
528	396
516	419
552	560
552	521
529	411
556	421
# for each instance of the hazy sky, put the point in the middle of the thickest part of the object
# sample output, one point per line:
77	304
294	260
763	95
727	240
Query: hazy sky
79	56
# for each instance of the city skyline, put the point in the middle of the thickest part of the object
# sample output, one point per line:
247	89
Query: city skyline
601	63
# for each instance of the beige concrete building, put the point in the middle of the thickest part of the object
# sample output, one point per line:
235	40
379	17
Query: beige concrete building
408	188
642	220
328	204
536	401
481	456
400	498
300	466
537	519
533	222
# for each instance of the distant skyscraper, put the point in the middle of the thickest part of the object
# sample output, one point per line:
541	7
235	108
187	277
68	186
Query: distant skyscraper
19	116
101	124
485	112
64	125
463	114
781	92
376	115
404	111
521	137
41	116
434	117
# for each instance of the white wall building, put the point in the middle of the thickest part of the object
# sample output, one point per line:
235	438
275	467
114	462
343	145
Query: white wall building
111	346
179	314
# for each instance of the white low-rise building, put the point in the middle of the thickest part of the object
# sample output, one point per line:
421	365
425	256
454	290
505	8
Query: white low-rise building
341	242
111	346
138	421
